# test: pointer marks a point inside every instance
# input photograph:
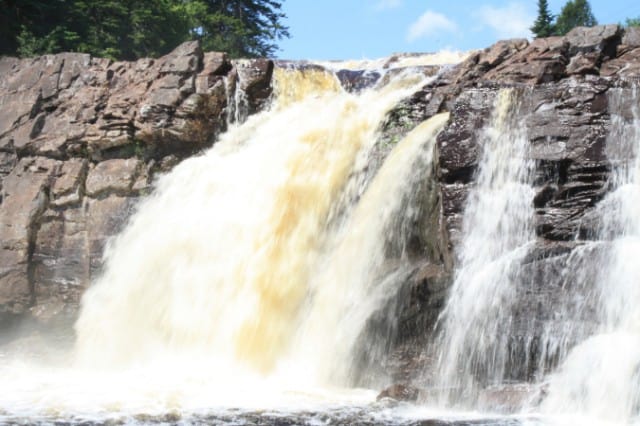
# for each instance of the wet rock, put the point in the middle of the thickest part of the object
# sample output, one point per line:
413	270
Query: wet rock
457	145
60	264
357	80
509	398
254	77
400	392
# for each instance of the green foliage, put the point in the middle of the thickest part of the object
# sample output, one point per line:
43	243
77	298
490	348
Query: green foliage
132	29
543	26
242	28
633	22
575	13
30	45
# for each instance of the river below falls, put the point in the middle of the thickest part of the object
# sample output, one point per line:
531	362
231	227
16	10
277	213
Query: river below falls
379	413
40	385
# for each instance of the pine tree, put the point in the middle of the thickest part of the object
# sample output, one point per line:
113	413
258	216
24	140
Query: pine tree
242	28
132	29
575	13
543	26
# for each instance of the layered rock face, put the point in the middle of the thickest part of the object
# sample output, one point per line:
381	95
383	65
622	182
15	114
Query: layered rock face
565	86
81	139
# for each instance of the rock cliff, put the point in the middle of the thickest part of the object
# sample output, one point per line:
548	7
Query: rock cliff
566	87
81	139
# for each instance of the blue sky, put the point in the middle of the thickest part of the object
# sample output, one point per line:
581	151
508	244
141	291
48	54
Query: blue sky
359	29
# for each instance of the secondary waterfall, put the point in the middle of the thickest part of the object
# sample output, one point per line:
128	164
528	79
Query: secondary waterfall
473	347
601	376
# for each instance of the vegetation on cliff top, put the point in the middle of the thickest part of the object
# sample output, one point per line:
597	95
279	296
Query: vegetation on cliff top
575	13
133	29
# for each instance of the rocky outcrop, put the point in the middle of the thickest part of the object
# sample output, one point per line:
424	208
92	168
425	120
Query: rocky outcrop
81	139
565	86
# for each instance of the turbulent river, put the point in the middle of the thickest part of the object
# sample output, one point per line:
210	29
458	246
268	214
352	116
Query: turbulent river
240	291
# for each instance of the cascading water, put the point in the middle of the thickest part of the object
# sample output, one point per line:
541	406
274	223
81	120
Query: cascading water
356	254
600	378
248	276
473	349
263	275
233	270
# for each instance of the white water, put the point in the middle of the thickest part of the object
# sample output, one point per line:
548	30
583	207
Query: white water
249	273
600	378
497	228
401	60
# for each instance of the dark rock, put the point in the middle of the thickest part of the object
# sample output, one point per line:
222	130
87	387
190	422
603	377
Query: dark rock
479	64
215	66
457	145
564	86
400	392
254	77
357	80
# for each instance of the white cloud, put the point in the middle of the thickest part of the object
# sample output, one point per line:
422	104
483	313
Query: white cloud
430	23
388	4
510	21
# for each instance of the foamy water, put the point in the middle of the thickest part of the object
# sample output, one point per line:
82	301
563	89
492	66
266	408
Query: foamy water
247	276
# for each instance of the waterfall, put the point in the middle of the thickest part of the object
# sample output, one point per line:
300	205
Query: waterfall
473	347
249	277
357	254
220	259
601	376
